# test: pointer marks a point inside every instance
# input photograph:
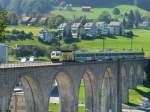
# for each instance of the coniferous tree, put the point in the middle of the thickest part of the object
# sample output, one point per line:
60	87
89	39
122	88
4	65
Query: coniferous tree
131	19
137	17
3	20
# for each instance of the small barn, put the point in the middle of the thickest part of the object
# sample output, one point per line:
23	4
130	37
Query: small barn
86	8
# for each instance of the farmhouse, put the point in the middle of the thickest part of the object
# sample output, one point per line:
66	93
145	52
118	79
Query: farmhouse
86	8
25	20
61	28
102	28
144	25
3	53
90	29
75	29
46	36
116	28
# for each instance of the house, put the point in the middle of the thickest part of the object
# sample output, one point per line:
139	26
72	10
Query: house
90	29
46	36
144	25
116	28
34	21
102	28
86	8
75	29
43	21
68	7
3	53
61	28
25	20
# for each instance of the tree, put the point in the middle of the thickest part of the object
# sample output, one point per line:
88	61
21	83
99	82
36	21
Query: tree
12	18
62	5
116	11
137	17
83	20
59	20
3	20
67	34
51	22
124	22
105	16
54	21
131	19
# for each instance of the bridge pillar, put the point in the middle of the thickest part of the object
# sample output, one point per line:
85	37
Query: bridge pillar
7	82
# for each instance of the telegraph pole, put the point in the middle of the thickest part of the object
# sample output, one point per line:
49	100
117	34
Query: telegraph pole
131	43
103	43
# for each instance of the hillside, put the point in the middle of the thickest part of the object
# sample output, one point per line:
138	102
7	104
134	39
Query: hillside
44	6
111	3
94	14
140	40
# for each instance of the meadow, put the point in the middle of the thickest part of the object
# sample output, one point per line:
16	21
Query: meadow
95	12
118	43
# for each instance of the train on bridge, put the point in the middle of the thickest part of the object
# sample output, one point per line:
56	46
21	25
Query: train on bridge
80	56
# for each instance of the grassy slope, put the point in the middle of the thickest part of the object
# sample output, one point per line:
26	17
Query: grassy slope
141	40
94	14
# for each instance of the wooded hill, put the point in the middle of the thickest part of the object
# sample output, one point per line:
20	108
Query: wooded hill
44	6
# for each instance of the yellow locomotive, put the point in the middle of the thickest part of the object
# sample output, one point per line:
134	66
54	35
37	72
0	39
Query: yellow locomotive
61	56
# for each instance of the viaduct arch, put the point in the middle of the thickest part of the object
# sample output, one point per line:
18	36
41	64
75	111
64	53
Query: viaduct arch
105	84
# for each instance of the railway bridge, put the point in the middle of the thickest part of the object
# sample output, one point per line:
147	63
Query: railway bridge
106	84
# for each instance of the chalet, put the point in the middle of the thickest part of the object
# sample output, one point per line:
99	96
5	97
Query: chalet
3	53
34	21
144	25
102	28
90	29
46	36
61	28
25	20
116	28
75	29
86	8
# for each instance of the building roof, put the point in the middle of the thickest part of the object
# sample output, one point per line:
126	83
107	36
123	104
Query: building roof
3	44
115	23
26	18
62	26
88	25
86	7
99	23
76	25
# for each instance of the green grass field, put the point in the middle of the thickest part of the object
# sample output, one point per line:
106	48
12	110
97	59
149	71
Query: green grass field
95	12
140	40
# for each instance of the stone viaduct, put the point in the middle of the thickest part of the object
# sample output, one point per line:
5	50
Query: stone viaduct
106	84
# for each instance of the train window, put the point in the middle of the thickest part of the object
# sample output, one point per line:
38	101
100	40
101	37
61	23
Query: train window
53	54
58	53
